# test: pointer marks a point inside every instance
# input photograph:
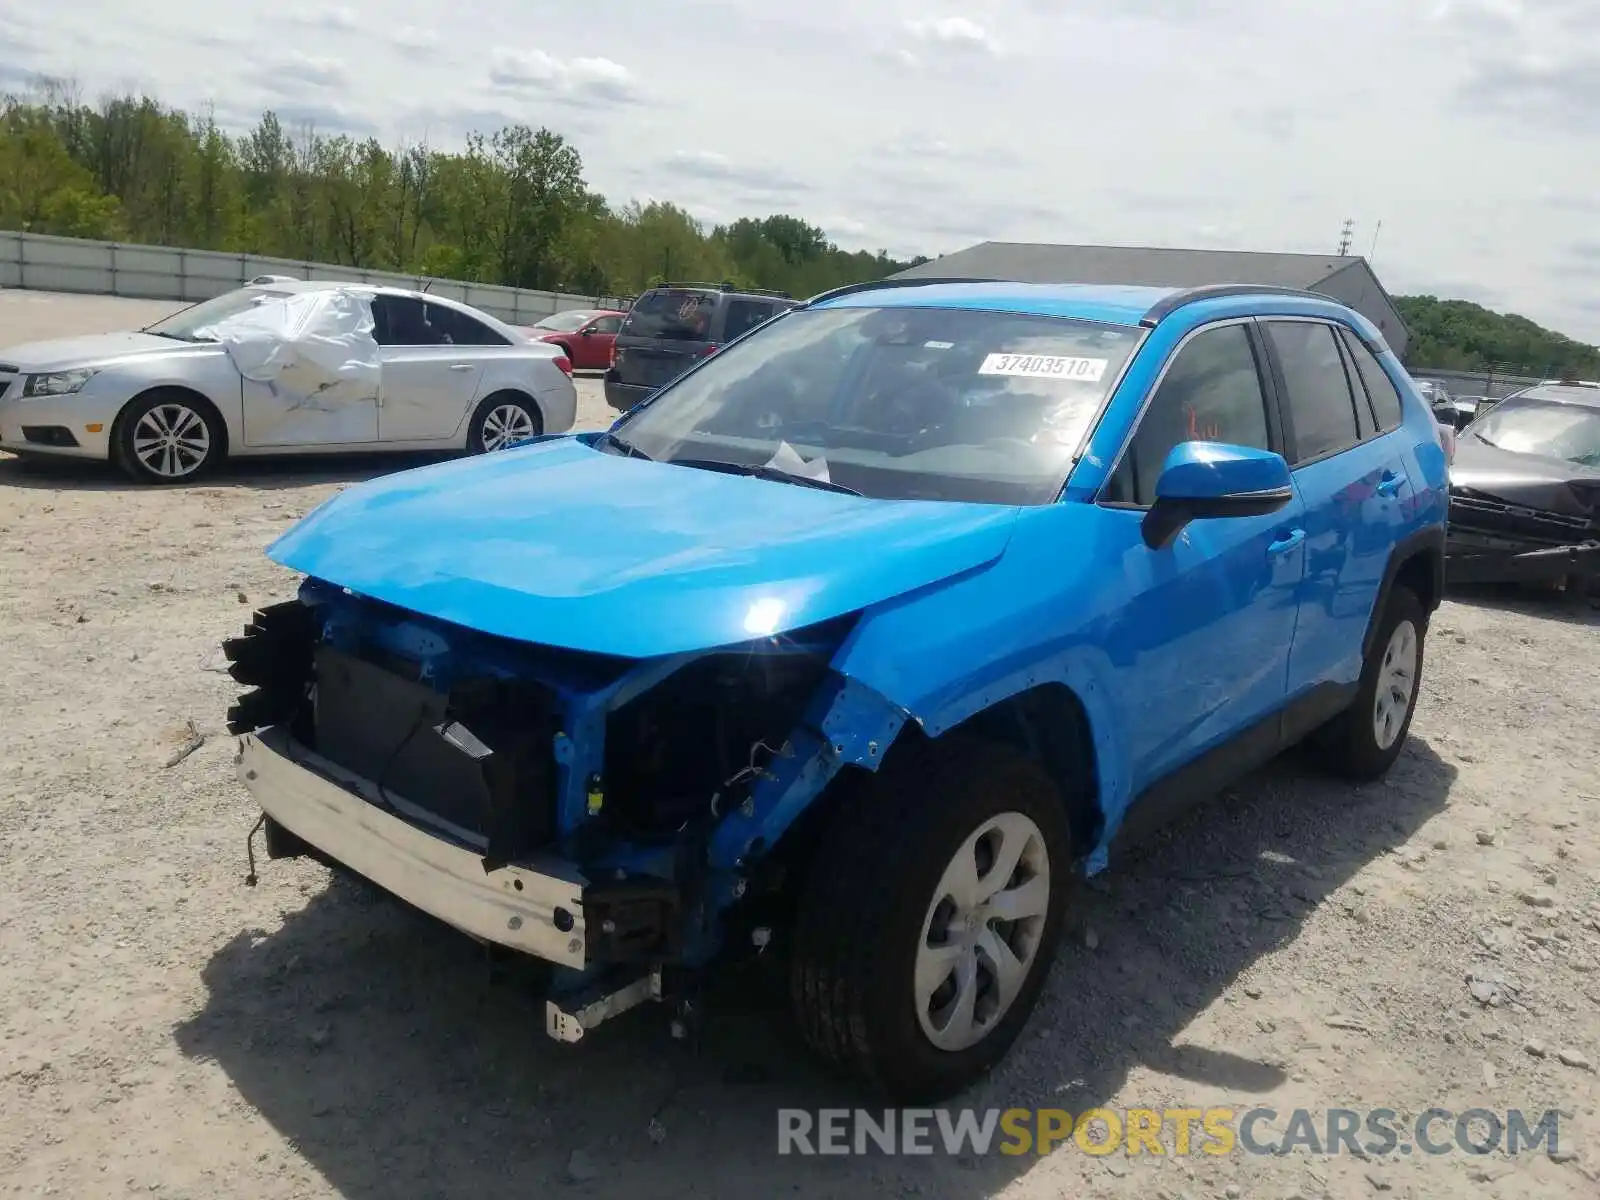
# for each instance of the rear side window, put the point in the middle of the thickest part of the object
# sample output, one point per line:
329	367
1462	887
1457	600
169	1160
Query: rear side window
680	314
745	315
458	329
1380	388
1321	408
1212	392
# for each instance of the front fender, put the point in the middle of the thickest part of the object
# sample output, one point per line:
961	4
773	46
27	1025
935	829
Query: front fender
211	376
948	652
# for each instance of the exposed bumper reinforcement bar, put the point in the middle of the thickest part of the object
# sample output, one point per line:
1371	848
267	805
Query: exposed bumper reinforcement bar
532	907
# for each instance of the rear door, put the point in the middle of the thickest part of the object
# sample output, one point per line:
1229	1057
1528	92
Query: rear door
432	361
1349	469
665	333
741	314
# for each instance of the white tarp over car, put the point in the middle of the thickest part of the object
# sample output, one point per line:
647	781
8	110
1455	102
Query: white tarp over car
312	347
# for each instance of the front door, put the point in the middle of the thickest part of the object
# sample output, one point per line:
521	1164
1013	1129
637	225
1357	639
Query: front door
430	379
591	349
1353	482
1200	652
276	414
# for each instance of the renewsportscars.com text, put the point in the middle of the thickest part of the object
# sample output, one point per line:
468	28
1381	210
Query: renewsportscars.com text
1375	1132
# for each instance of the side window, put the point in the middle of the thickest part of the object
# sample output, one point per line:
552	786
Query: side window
745	315
607	325
1212	392
1385	399
400	321
1321	410
455	328
1366	425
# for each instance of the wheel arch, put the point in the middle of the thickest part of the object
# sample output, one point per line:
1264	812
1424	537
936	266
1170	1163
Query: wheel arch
1416	563
505	391
1047	722
189	395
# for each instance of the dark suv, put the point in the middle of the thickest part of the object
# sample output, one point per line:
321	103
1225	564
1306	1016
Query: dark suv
670	328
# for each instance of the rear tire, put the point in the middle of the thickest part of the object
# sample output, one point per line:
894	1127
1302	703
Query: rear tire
502	419
168	436
1363	742
893	981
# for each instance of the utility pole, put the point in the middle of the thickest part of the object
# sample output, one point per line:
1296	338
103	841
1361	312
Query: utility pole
1345	235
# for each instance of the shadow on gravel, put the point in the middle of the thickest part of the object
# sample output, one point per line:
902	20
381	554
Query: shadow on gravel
373	1040
1569	607
258	474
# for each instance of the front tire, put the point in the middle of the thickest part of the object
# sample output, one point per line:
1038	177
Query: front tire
168	436
501	420
1363	742
930	918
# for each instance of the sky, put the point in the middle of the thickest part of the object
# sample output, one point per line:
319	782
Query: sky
1467	128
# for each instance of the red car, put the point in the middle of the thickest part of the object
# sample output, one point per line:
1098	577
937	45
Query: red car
585	335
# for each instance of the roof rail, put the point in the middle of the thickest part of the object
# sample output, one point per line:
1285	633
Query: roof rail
851	289
1168	305
727	286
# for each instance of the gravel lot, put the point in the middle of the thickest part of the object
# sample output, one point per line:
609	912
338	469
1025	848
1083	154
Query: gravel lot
165	1029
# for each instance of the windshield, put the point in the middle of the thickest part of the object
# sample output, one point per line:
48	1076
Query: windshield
565	322
897	403
681	314
194	324
1549	428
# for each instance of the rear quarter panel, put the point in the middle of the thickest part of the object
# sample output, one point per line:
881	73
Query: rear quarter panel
530	369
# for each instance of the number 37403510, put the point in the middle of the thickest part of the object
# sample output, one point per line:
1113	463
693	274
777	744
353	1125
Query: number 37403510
1045	366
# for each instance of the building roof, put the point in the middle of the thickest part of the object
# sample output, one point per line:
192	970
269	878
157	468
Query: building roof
1034	262
1113	304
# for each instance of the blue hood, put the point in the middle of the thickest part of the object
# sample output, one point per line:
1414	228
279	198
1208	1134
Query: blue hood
563	545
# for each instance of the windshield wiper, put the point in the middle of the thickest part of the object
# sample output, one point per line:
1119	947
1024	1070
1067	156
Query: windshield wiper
773	474
625	448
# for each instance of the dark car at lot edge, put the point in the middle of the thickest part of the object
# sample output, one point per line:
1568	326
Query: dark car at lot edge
1525	489
672	327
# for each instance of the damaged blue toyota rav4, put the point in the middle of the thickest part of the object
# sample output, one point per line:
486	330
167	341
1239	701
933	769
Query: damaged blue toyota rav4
855	644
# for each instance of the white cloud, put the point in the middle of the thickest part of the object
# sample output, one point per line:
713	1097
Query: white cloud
414	37
594	78
959	33
312	69
1467	128
338	17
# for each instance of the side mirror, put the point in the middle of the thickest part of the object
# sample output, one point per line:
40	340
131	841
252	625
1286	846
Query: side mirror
585	332
1214	479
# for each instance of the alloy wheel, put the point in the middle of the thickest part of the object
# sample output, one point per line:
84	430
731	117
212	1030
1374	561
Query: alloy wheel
506	424
172	440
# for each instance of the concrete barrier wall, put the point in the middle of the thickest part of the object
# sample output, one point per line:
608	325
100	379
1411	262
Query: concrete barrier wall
1476	383
58	264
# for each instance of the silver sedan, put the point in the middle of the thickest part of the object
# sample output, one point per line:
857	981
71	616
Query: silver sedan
284	367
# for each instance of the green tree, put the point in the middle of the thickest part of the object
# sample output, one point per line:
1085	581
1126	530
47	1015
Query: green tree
512	206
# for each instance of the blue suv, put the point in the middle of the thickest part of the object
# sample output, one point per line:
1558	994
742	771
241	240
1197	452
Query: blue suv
855	643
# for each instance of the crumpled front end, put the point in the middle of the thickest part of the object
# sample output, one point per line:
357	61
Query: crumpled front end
1491	540
595	811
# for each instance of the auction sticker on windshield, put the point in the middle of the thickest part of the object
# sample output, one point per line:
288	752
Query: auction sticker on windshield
1044	366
